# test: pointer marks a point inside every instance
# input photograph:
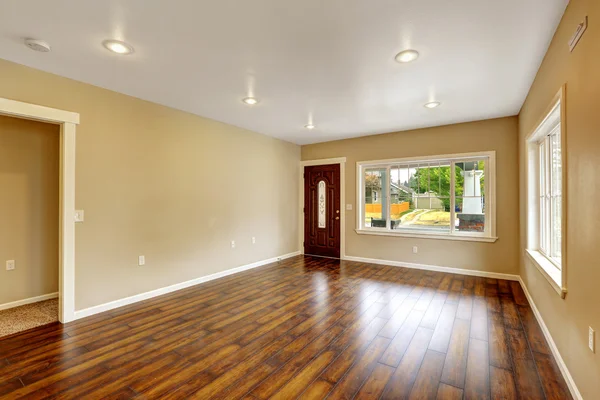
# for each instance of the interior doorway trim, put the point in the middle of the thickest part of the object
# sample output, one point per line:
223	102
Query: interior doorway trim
68	122
342	162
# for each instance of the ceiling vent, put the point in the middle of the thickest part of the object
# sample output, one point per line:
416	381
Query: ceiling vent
37	45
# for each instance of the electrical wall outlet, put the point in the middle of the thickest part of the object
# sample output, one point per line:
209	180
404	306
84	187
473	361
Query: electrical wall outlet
10	265
592	340
415	249
141	260
253	240
233	244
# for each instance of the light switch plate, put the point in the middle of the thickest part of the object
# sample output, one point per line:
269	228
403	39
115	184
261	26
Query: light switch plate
10	265
348	207
79	215
141	260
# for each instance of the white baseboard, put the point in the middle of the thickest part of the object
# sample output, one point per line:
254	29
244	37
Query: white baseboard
178	286
561	364
30	300
437	268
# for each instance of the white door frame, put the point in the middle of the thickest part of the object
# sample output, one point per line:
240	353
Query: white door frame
68	122
342	162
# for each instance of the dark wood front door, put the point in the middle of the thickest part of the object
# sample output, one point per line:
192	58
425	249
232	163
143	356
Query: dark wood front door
322	210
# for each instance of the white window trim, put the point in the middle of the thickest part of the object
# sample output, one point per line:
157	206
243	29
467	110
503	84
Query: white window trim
557	278
490	188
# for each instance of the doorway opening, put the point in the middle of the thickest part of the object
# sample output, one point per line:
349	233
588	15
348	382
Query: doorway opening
67	122
29	171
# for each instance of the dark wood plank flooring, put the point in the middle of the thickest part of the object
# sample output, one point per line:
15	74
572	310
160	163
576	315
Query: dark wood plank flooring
306	328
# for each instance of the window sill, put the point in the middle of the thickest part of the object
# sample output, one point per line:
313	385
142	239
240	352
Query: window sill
548	270
436	236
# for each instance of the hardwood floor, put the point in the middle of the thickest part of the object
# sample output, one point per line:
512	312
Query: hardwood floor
302	328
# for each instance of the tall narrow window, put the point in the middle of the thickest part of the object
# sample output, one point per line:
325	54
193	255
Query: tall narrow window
545	214
550	192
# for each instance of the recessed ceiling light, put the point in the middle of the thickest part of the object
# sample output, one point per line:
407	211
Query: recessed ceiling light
310	126
407	56
432	104
116	46
37	45
250	101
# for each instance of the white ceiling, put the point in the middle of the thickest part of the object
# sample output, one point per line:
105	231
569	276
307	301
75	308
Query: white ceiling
329	60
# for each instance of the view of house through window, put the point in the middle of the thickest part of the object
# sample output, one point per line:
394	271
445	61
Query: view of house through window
439	196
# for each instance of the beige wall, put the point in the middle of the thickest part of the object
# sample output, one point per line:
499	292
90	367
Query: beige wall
172	186
28	208
499	135
568	319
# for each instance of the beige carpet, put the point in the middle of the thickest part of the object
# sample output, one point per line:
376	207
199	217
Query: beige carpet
28	316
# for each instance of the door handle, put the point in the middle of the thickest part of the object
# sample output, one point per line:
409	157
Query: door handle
337	211
337	217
